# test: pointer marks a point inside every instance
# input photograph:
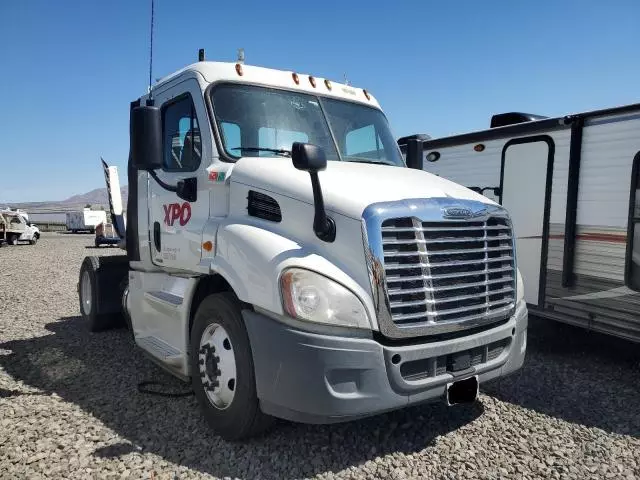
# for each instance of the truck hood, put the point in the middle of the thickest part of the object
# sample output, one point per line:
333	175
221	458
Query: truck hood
348	187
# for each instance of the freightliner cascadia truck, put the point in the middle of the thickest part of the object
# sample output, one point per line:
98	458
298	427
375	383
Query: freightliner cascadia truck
284	258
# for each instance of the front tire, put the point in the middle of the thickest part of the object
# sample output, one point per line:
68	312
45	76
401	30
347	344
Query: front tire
222	373
92	301
34	240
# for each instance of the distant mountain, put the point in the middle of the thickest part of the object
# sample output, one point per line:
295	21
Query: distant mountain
94	197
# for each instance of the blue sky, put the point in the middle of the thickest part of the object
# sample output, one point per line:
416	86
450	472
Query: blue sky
70	68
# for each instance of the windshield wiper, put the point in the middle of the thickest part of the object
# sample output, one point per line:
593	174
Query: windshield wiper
363	160
278	151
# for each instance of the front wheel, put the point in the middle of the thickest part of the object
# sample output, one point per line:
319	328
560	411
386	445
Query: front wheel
92	299
34	240
222	373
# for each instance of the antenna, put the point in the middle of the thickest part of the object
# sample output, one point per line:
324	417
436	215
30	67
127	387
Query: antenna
151	56
346	80
241	55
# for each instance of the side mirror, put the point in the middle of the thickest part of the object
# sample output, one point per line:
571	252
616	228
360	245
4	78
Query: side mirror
187	189
308	157
146	138
312	159
415	156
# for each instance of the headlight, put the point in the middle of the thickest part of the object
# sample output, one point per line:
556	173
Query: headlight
310	296
519	287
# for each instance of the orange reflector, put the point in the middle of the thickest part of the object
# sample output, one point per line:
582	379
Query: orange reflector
239	69
479	147
208	246
327	84
296	79
312	81
366	94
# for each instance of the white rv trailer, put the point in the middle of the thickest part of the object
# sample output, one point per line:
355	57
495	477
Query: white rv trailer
86	220
570	184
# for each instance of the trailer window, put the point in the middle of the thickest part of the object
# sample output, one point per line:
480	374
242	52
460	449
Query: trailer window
633	240
181	136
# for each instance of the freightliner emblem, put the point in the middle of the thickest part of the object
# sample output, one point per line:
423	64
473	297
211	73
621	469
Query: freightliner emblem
461	212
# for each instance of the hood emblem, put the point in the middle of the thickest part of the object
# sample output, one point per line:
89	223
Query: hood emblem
461	212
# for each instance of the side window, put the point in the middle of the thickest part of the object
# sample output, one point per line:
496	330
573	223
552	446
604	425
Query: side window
633	240
181	136
364	143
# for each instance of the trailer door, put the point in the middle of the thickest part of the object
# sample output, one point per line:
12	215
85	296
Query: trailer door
526	188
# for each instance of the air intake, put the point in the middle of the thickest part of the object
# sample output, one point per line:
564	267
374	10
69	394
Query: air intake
263	206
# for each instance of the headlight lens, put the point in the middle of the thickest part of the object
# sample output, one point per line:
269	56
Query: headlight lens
310	296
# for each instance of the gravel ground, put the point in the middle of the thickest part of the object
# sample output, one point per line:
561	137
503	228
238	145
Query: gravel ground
69	406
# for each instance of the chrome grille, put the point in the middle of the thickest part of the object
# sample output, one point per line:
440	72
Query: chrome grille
447	271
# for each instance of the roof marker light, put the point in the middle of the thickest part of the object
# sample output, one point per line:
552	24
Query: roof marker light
312	81
327	84
366	94
239	69
295	77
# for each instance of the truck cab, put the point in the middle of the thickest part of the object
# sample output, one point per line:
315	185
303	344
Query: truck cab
283	259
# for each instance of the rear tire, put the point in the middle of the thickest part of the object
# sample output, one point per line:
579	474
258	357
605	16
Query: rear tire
237	415
98	308
13	240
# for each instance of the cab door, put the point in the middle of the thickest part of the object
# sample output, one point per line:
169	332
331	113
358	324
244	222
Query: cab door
176	224
527	166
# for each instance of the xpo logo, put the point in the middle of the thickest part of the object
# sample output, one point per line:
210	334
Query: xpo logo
176	211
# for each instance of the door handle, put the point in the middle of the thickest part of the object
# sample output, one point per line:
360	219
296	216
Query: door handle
156	235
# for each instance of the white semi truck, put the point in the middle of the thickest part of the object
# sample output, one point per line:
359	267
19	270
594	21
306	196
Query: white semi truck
283	259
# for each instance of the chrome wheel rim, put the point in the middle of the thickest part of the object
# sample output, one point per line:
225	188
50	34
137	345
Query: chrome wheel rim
85	293
217	366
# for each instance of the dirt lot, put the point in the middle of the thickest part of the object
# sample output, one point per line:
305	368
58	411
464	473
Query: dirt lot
70	408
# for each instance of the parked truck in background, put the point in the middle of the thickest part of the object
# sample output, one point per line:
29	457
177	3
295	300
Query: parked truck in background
85	221
15	228
282	258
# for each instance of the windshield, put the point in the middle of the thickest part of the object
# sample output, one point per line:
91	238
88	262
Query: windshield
263	122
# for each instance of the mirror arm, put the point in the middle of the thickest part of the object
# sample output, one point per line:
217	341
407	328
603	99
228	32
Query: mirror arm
323	225
166	186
